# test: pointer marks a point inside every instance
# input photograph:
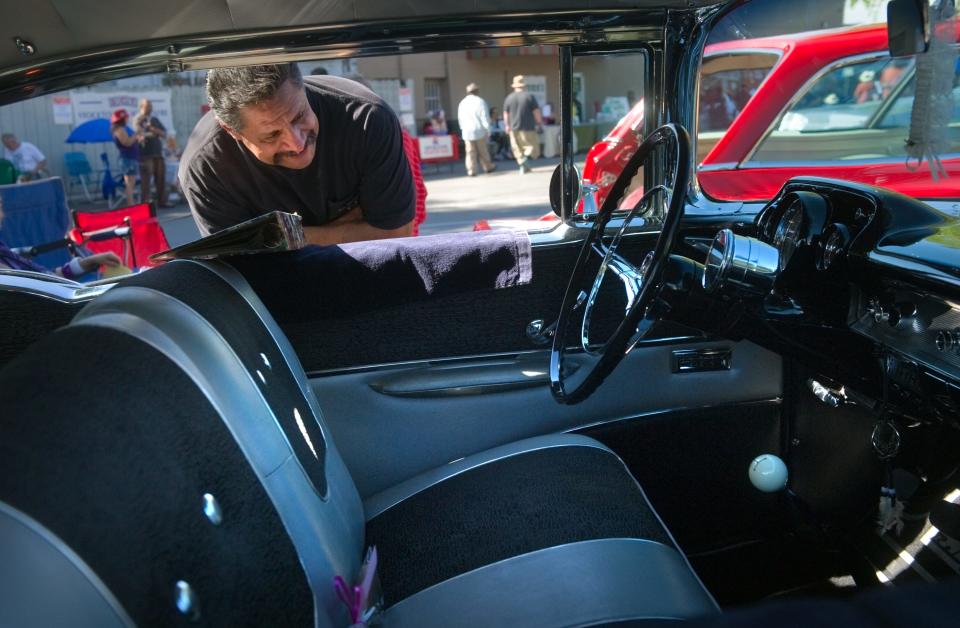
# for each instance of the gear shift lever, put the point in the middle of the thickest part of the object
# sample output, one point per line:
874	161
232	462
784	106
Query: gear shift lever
768	473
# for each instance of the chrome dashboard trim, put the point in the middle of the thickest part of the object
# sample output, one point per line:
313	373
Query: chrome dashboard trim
49	286
506	356
745	263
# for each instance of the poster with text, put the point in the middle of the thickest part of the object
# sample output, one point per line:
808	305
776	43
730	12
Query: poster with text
62	110
436	147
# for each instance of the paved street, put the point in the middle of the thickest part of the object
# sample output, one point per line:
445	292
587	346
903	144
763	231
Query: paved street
454	201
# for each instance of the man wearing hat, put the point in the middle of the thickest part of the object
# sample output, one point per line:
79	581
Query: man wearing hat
521	118
474	119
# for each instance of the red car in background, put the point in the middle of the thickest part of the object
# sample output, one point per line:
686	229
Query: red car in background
828	103
834	104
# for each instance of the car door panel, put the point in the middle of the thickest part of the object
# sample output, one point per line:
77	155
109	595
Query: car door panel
482	407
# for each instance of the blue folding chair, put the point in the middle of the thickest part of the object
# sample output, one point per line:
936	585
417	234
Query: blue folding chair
111	184
36	213
78	170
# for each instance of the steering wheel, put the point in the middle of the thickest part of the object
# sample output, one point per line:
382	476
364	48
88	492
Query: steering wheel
642	285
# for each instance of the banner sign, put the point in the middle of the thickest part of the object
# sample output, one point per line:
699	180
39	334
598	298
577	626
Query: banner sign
89	105
406	99
62	110
436	147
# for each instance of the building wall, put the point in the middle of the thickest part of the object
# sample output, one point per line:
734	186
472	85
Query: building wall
493	75
417	67
620	75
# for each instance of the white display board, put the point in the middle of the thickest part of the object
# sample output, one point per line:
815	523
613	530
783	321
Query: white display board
436	147
62	110
89	105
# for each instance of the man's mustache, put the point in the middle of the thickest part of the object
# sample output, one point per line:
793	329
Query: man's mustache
309	141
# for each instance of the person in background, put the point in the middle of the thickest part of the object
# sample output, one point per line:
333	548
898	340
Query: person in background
436	123
73	269
152	133
522	119
472	114
891	74
547	113
319	71
868	88
497	135
129	149
25	157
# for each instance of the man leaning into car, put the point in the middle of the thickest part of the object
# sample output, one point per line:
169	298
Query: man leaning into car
324	147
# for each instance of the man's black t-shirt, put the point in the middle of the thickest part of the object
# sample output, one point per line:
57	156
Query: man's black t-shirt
519	107
359	161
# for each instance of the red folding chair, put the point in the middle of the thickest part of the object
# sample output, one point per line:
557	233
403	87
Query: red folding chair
133	233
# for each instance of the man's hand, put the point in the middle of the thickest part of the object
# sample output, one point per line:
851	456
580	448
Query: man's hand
93	262
351	227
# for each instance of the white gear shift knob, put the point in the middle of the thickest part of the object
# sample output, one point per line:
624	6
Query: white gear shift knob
768	473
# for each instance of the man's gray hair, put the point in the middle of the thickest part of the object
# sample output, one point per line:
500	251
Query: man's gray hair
231	89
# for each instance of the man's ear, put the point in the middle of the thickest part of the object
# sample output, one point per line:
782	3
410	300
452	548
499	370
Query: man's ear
233	132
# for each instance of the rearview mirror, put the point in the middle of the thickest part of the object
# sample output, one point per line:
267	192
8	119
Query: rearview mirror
556	189
907	27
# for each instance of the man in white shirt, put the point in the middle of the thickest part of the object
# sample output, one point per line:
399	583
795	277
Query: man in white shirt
26	158
474	119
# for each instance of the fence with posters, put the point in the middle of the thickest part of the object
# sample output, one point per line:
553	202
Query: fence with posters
47	120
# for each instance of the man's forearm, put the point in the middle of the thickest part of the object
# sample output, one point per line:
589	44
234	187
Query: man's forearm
339	232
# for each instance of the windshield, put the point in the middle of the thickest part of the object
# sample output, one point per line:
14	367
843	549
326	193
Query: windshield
833	104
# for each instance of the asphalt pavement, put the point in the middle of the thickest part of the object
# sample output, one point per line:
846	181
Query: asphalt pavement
454	201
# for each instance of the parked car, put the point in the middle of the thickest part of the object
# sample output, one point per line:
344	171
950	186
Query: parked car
721	411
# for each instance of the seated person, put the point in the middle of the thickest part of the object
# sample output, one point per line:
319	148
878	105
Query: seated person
868	88
73	269
436	124
26	158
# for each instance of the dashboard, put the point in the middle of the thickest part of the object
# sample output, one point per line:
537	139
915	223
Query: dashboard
856	277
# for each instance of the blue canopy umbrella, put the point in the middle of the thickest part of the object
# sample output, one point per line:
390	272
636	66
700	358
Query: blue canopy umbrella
91	132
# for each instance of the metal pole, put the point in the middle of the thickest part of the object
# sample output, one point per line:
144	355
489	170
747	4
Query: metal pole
566	133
